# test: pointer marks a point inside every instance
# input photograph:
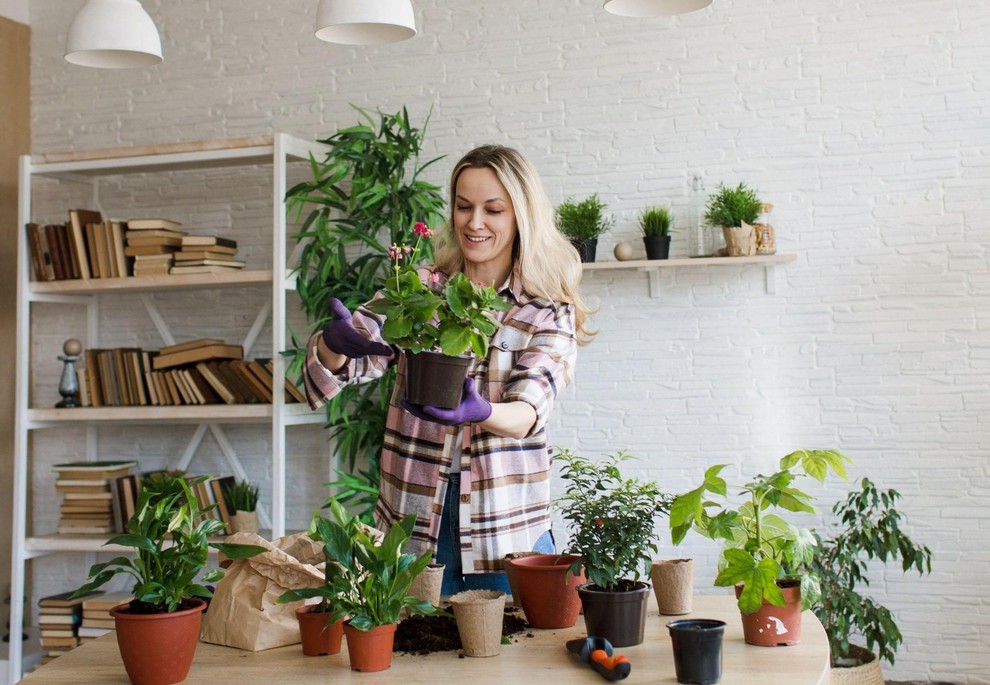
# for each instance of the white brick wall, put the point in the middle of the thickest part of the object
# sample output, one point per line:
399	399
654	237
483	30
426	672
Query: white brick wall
865	123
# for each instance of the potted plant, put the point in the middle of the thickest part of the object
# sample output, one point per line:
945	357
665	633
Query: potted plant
867	528
583	222
764	556
735	210
655	224
611	522
435	323
367	583
242	499
157	632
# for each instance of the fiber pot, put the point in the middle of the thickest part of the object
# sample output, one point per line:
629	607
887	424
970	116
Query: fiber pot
697	644
586	248
370	650
619	617
436	379
479	614
547	589
673	585
158	649
244	522
740	241
657	246
427	584
774	626
318	637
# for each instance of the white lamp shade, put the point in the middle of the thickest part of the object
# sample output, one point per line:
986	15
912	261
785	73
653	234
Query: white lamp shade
113	34
365	22
654	8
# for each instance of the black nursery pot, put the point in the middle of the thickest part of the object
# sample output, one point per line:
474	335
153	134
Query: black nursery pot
619	617
436	379
586	248
657	246
697	644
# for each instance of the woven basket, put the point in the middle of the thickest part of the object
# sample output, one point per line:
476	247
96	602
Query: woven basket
868	673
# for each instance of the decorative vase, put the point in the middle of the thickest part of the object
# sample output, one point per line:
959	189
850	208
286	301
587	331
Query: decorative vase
318	637
771	625
510	574
479	614
548	590
697	644
740	241
673	585
657	246
370	650
244	522
436	379
619	617
158	649
586	248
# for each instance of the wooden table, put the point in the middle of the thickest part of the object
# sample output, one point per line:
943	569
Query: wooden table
541	659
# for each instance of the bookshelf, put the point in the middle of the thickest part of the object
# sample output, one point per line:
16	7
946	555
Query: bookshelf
273	153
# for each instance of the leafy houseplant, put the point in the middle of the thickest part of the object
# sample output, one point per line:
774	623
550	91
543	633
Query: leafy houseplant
868	529
655	224
761	549
735	210
364	195
583	222
611	521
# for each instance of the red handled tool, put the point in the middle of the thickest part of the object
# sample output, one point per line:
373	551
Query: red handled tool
597	653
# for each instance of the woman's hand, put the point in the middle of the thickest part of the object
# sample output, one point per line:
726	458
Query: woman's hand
473	408
340	336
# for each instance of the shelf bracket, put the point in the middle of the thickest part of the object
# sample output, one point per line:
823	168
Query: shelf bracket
772	275
654	276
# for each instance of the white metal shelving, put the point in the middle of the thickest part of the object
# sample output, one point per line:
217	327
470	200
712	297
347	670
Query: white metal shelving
276	151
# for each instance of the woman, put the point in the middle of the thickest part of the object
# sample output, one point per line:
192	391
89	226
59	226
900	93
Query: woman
477	476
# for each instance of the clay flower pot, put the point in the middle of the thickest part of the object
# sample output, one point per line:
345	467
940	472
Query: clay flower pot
436	379
158	649
673	585
318	637
510	574
772	626
547	589
370	650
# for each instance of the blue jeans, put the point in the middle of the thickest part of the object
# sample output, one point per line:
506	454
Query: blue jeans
448	549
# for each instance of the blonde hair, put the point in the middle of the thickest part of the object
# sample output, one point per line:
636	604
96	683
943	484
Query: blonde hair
549	266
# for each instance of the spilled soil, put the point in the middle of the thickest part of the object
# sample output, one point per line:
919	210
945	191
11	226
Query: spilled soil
427	634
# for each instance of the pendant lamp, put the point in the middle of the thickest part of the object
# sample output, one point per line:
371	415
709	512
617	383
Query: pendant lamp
113	34
365	22
654	8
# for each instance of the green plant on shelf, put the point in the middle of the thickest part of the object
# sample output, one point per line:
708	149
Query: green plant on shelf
241	495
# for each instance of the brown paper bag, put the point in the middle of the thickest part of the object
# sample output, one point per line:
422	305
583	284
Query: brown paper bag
243	612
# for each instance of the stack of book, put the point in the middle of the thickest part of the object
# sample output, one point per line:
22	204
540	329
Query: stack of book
96	618
206	254
86	247
88	491
59	619
153	243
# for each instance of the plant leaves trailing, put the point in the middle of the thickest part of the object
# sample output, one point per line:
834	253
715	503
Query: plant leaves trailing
366	194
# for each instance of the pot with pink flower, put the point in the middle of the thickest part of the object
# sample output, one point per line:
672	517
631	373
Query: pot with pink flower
438	321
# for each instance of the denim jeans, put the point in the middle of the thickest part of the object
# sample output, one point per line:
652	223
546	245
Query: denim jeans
448	550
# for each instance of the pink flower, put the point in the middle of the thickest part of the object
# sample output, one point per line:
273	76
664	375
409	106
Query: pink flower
434	277
407	249
419	228
394	253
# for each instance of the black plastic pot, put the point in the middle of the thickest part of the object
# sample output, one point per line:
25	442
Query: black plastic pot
436	379
586	248
619	617
697	644
657	246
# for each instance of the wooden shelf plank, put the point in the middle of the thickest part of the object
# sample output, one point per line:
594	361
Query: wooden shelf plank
210	413
690	262
131	284
48	544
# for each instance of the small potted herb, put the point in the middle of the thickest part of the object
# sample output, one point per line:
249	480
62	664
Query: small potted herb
735	210
582	223
764	556
242	499
436	323
168	533
611	521
655	224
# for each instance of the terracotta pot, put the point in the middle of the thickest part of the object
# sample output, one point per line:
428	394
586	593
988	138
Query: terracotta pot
244	522
587	249
619	617
773	626
657	246
673	585
158	649
370	650
547	590
510	575
436	379
318	637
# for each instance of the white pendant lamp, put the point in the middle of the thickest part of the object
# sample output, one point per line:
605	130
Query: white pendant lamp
365	22
654	8
113	34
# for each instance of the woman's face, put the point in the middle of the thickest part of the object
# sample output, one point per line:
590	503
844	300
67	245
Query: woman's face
484	224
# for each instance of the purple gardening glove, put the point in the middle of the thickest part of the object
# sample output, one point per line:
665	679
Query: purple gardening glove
340	336
473	408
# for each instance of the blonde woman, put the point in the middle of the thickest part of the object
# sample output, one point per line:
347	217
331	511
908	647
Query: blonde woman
477	476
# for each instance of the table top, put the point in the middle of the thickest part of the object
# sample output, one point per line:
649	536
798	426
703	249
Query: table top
536	655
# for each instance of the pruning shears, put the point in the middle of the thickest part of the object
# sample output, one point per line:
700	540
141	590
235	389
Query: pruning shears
597	652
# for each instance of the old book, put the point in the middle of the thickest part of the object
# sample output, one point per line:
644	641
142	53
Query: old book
216	383
173	390
219	486
190	345
207	240
127	488
55	248
204	390
110	468
117	232
83	530
149	250
45	252
211	252
102	253
152	233
242	391
65	599
153	223
82	486
202	269
78	219
227	263
92	235
92	377
290	387
262	393
38	263
142	241
106	601
198	354
152	391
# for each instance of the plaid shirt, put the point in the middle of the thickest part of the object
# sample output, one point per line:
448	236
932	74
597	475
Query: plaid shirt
505	482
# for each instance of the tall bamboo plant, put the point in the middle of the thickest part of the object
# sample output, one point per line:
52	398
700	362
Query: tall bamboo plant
366	194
